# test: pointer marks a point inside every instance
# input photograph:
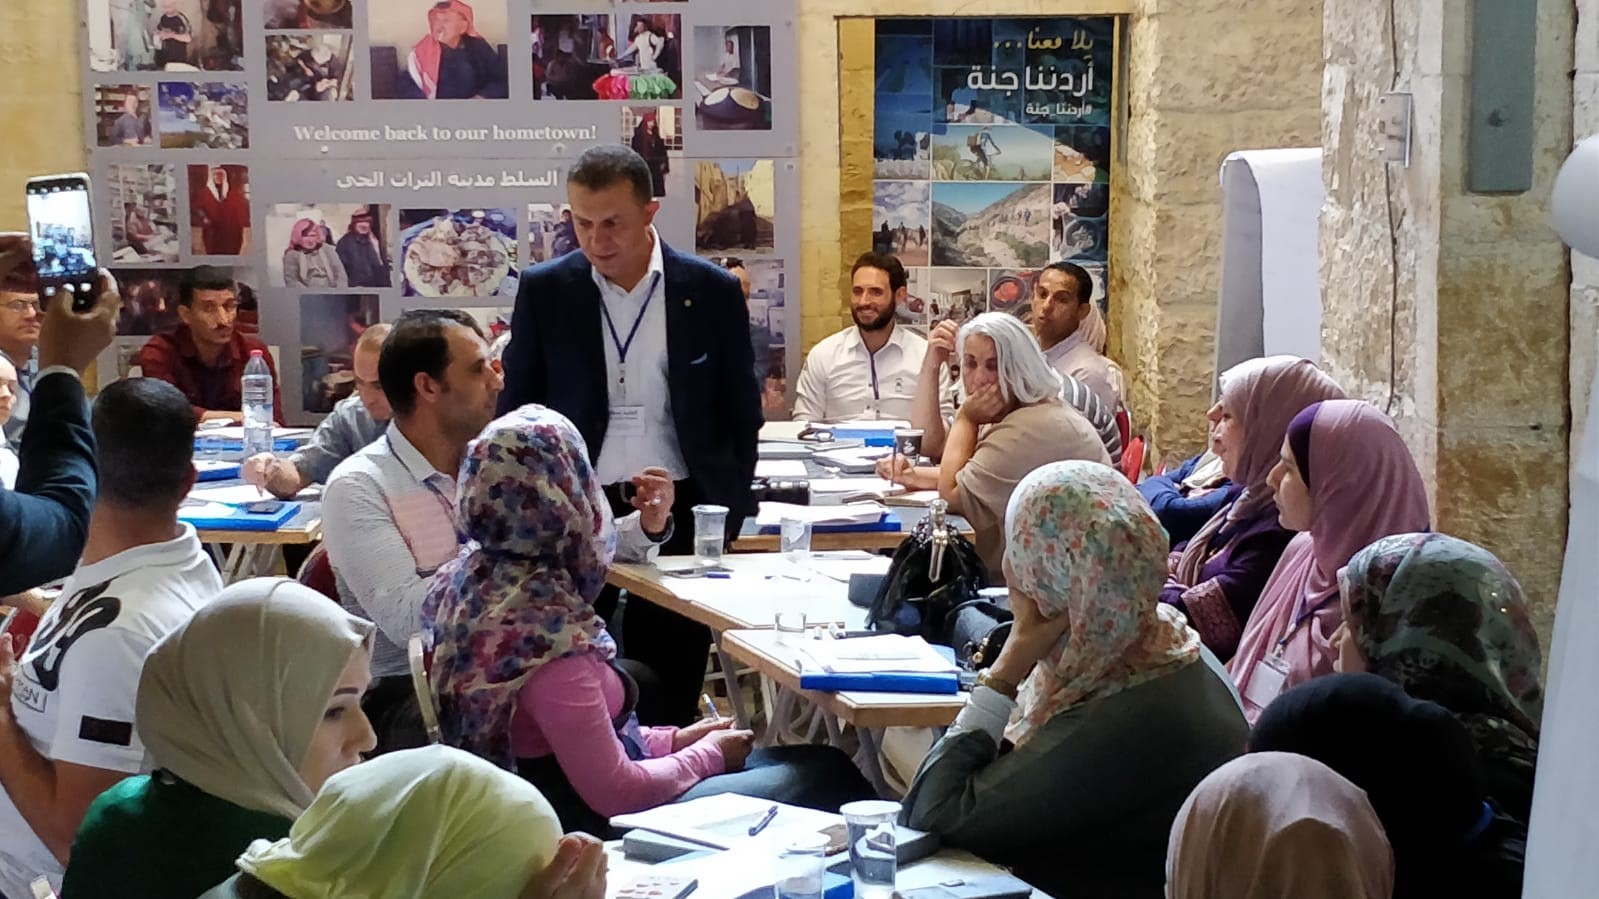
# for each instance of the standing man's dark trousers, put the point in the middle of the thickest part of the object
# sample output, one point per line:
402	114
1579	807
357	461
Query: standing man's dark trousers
674	647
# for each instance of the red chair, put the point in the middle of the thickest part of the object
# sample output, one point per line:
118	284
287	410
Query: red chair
317	573
20	624
1124	426
1133	459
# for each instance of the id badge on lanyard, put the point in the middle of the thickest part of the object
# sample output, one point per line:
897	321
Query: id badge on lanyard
627	419
1267	681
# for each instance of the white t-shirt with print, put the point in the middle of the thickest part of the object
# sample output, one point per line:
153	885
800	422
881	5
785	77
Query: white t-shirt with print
75	686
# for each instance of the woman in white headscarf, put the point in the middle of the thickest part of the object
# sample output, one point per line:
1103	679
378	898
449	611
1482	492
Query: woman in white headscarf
247	709
1273	825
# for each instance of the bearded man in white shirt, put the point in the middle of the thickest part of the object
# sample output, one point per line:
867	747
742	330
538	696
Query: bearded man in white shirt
868	371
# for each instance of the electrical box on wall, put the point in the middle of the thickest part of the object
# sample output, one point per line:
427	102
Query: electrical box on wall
1393	114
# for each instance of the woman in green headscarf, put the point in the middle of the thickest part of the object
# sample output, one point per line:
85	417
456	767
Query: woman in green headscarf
430	823
1446	621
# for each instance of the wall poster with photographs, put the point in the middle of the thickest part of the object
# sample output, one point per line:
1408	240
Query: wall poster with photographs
319	149
992	148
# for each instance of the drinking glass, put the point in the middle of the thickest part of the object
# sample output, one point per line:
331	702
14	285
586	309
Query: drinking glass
710	532
873	860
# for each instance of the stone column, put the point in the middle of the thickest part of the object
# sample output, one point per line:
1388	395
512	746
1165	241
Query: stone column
1451	309
42	94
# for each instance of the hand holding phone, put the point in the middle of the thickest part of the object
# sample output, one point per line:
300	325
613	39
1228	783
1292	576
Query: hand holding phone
73	337
61	225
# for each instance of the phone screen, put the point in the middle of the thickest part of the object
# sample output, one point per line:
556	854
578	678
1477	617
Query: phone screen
63	241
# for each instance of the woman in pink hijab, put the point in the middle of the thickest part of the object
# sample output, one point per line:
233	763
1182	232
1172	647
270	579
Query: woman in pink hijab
1345	480
454	62
1217	577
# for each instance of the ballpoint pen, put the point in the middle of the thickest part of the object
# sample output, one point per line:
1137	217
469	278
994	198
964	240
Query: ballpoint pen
765	820
710	707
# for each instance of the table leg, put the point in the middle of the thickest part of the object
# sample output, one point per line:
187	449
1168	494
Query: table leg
735	696
869	761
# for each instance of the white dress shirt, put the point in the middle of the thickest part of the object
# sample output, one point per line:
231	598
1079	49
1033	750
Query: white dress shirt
389	523
842	381
646	391
1073	356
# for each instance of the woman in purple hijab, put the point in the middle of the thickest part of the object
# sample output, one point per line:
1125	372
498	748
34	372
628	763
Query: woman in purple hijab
1217	577
1345	480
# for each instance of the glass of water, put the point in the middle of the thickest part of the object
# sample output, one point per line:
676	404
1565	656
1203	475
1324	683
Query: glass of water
710	532
873	859
794	535
801	867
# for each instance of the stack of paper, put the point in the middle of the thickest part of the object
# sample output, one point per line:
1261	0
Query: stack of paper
832	490
885	653
780	468
782	430
857	460
772	514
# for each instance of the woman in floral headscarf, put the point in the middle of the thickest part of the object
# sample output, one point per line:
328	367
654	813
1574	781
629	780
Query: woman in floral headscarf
524	669
1101	679
1446	621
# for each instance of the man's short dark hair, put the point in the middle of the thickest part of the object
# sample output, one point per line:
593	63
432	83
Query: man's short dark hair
205	277
601	167
1085	281
144	443
418	343
732	262
888	265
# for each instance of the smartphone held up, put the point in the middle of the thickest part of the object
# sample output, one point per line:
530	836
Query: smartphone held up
60	222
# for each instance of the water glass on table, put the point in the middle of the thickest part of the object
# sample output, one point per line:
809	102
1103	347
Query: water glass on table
710	533
794	539
801	867
873	858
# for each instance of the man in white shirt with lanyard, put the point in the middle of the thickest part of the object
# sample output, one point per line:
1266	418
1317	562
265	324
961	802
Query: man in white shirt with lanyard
67	728
868	371
389	514
1063	299
647	350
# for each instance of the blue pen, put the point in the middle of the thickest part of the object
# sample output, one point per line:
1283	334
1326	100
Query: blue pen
719	575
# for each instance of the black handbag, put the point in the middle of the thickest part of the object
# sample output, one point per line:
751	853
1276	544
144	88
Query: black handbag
977	631
934	571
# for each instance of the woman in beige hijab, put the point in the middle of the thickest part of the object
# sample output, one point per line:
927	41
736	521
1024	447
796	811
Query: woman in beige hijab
247	709
1274	825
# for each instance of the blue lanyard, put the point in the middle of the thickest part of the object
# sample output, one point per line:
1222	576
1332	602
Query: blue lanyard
1302	618
621	347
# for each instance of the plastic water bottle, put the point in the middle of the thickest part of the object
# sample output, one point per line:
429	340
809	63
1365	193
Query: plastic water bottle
257	393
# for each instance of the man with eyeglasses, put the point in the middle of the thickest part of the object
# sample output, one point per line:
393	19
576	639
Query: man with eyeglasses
205	355
19	341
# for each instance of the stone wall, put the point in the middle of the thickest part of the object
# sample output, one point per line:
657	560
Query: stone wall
1468	346
1584	269
41	94
1249	77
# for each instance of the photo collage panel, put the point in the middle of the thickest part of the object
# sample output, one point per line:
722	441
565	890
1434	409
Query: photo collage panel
991	157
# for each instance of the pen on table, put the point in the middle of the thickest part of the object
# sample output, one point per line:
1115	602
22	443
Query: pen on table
710	707
765	820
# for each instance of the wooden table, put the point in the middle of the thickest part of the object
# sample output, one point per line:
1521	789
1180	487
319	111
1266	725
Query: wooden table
257	553
869	712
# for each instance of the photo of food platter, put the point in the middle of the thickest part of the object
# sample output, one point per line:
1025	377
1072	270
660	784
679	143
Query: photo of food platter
459	253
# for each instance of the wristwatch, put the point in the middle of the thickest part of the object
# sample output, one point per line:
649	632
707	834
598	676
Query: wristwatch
1003	687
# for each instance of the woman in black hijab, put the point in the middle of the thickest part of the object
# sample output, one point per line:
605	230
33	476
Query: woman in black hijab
1418	766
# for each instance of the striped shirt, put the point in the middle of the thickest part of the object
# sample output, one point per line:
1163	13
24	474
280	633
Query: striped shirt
1074	392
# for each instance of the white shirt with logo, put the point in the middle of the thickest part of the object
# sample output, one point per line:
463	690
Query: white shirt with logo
76	684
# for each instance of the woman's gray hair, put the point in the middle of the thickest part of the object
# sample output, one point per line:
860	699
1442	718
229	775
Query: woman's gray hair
1024	373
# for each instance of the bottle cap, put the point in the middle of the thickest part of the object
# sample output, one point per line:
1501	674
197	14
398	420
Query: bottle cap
255	354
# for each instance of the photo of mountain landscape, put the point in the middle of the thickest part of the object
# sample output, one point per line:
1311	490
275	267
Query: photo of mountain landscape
991	224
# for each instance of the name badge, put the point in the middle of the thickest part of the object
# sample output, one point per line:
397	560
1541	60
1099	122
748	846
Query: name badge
626	421
1271	673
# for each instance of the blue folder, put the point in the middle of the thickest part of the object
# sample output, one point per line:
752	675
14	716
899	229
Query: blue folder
228	445
882	682
867	432
209	470
206	518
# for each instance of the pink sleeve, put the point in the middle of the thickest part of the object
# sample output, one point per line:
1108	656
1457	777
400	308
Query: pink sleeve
566	701
658	740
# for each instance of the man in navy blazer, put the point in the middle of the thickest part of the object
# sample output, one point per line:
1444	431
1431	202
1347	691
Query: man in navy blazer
647	351
45	520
